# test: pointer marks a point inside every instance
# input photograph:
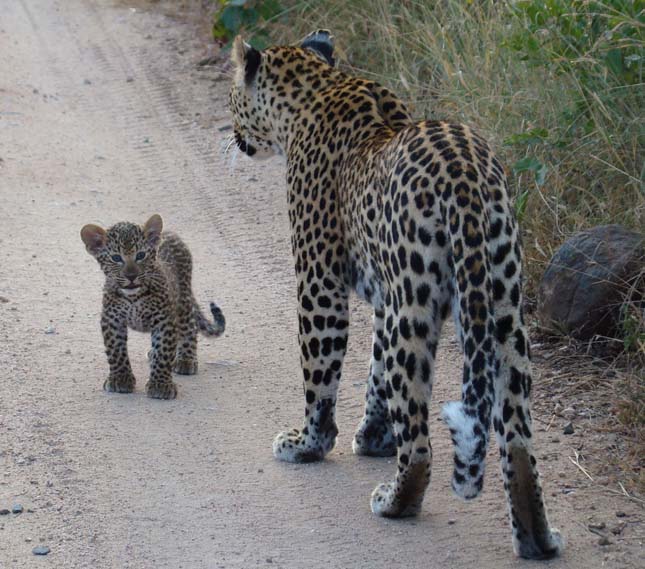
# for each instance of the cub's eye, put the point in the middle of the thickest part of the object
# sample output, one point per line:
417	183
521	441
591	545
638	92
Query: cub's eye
141	255
117	258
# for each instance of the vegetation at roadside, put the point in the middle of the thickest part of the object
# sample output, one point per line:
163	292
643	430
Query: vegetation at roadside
557	85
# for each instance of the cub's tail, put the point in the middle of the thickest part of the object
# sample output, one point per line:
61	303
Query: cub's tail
205	326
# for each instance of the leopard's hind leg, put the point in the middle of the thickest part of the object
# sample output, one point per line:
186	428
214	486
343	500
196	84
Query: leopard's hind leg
414	315
186	357
533	537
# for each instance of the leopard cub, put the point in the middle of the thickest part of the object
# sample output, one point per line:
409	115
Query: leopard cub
148	288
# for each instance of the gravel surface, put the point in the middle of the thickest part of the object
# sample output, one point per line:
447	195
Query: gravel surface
105	116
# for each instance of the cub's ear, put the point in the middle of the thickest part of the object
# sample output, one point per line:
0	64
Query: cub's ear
94	238
321	42
246	59
152	230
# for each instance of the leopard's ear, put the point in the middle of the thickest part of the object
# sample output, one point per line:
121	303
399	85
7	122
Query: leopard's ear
152	229
246	59
321	42
94	238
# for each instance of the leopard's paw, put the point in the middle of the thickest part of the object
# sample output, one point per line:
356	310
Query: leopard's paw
296	446
539	547
185	366
387	503
374	438
161	389
120	383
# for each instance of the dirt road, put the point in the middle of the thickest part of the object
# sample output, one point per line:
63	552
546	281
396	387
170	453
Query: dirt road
104	117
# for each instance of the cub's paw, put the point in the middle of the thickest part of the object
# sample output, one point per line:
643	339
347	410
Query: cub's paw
185	366
161	389
296	446
374	438
120	384
386	503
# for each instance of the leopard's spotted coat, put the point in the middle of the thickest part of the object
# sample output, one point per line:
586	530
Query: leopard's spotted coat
415	217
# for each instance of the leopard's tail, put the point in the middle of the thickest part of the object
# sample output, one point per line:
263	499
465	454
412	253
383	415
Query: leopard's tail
473	311
205	326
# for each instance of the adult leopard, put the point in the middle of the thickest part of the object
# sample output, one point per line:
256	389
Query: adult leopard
415	217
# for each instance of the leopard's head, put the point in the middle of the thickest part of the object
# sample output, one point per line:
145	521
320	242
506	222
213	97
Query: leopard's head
270	85
126	252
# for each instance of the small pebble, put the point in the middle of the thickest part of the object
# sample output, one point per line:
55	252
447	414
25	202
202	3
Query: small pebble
451	522
617	530
621	514
4	512
87	82
604	540
568	429
569	413
50	330
129	80
40	550
597	526
17	509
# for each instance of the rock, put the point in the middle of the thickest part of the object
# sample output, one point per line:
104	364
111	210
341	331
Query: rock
17	509
40	550
569	413
620	514
568	429
604	540
87	82
597	526
50	330
583	287
618	529
4	512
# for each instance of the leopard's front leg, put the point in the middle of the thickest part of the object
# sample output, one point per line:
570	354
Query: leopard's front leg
375	434
162	357
323	322
115	337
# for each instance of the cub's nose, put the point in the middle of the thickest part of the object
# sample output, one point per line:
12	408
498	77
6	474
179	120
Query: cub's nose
131	273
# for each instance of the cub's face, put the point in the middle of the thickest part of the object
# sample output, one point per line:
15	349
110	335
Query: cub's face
268	82
127	253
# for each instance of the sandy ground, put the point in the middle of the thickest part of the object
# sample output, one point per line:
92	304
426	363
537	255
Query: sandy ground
104	117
